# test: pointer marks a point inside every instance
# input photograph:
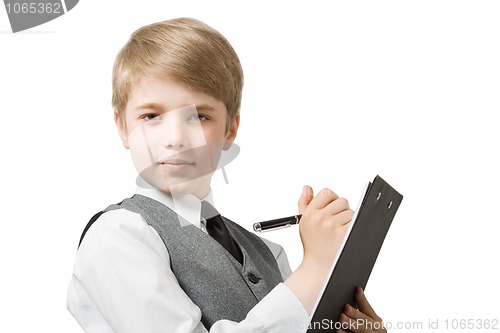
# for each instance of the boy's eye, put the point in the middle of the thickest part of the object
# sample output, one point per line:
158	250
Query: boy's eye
151	116
197	117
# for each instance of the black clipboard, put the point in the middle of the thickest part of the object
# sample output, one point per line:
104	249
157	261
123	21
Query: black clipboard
358	253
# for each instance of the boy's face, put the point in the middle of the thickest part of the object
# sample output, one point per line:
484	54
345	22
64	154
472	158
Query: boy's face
175	135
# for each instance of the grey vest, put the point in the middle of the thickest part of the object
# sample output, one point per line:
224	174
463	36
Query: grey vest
216	282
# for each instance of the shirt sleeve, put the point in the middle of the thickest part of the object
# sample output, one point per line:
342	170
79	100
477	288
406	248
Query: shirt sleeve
122	283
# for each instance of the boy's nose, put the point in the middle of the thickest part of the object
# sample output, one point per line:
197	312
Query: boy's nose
174	133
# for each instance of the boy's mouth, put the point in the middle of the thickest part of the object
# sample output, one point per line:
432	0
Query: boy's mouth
176	164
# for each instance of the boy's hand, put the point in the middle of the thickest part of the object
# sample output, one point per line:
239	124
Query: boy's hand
322	227
324	222
364	320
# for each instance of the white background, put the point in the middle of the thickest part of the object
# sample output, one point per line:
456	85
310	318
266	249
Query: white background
334	94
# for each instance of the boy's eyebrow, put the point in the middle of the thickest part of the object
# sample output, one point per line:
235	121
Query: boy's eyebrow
204	107
158	107
149	106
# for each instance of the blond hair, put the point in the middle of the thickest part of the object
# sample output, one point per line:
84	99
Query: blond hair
186	50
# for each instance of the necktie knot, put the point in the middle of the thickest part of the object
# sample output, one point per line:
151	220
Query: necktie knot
208	211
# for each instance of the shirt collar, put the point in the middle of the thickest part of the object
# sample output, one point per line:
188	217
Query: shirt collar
188	206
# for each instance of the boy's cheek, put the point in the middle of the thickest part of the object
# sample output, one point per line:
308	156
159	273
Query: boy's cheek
214	151
140	151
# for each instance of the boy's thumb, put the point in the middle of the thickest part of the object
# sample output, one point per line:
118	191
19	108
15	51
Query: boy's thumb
305	198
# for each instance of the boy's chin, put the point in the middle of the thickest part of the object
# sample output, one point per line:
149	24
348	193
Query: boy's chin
198	187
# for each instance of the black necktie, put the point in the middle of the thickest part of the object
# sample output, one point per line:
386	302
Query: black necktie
218	230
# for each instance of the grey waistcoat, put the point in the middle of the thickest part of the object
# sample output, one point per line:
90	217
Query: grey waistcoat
216	282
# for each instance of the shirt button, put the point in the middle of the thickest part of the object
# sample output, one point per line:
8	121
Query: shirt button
253	278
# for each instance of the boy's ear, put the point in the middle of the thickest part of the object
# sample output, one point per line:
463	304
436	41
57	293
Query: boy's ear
122	130
232	131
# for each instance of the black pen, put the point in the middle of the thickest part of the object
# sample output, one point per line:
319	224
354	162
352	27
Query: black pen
276	224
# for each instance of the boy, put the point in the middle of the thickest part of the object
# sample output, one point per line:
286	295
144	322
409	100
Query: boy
164	260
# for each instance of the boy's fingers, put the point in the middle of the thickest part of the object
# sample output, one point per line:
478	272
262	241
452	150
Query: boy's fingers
345	217
358	322
364	306
323	198
341	331
354	320
305	198
350	321
337	206
362	320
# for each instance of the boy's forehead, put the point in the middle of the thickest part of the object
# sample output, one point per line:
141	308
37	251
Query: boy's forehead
167	94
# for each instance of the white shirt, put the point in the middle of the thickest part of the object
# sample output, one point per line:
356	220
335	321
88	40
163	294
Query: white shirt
122	281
